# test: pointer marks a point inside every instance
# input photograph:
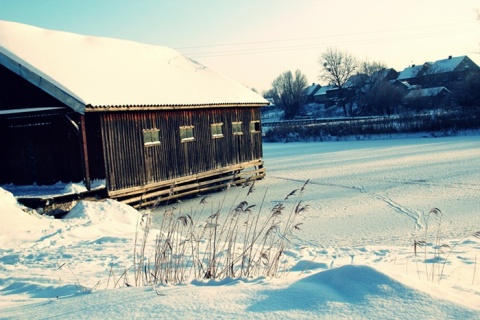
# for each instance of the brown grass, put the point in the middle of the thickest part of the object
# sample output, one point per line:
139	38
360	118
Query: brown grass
239	242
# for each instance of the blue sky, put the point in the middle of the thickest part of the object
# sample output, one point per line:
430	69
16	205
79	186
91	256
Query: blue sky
254	41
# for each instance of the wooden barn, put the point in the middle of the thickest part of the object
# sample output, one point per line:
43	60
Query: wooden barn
148	121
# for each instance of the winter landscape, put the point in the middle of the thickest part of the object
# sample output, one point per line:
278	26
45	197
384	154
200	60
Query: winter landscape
360	144
390	231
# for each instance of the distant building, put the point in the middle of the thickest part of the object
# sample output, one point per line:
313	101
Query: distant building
321	95
436	97
413	73
448	72
309	92
384	74
404	86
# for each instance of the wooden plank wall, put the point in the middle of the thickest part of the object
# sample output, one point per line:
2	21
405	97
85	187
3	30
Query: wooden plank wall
95	147
130	163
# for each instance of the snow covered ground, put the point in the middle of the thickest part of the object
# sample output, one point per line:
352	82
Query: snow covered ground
353	258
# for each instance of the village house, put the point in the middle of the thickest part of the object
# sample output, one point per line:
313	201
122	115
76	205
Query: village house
309	92
425	98
448	72
384	74
148	121
413	73
321	95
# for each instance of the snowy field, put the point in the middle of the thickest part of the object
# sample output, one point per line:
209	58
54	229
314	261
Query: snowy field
354	257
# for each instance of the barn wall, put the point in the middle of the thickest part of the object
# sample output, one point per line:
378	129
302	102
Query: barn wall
94	146
130	162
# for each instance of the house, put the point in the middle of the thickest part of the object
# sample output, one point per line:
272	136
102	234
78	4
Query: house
150	122
356	81
447	72
384	74
309	92
412	74
403	86
321	95
379	78
435	97
354	85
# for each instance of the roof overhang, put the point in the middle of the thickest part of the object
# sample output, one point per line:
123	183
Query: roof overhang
90	108
29	111
32	77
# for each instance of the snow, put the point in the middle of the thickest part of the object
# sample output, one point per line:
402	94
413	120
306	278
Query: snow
425	92
409	72
57	189
353	259
447	65
112	72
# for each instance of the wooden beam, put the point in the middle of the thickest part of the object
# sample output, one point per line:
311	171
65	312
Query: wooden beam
156	185
183	190
195	184
84	152
150	201
72	124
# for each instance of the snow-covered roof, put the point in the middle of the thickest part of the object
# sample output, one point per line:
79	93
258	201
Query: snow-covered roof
323	90
404	84
425	92
409	72
447	65
383	74
87	72
310	90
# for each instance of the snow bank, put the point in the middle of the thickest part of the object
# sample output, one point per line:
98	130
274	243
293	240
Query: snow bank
61	250
348	292
107	211
19	224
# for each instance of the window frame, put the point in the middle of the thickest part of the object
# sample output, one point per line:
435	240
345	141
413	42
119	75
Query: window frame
216	130
149	136
255	126
187	134
237	128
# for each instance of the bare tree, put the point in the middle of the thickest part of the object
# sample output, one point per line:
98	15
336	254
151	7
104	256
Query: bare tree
381	99
288	89
337	67
370	67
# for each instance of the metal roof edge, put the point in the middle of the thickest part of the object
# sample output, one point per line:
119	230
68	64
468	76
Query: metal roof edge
41	83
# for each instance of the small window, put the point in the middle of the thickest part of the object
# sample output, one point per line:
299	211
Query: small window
186	133
217	131
237	128
255	126
151	137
